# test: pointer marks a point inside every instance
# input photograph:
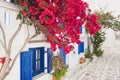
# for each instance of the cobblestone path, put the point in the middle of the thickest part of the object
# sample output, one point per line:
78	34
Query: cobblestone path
106	67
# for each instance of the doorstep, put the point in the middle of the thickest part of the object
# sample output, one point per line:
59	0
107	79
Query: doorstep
42	76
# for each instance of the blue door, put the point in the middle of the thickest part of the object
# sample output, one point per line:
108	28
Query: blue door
63	55
26	65
49	60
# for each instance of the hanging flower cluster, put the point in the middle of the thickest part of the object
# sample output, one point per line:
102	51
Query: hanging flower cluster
60	20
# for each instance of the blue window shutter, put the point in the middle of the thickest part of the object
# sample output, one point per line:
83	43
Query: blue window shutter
63	55
42	59
26	66
81	48
11	1
34	60
49	60
81	29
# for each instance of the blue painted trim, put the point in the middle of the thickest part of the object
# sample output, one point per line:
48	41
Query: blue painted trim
49	60
81	48
63	55
35	71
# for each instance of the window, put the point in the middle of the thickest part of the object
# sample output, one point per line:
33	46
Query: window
81	48
63	55
37	60
11	1
32	62
7	18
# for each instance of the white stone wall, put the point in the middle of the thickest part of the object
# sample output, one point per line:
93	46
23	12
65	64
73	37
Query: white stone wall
73	57
19	40
107	5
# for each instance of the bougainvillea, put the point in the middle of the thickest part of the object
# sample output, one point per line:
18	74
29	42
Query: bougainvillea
60	20
2	60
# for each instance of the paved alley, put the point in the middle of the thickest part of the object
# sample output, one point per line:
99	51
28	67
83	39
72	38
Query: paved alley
106	67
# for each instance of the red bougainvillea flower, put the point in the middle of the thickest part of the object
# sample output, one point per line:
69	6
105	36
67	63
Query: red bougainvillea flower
24	13
2	60
92	24
61	20
47	17
24	3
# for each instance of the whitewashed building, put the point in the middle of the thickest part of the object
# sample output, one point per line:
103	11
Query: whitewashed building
40	68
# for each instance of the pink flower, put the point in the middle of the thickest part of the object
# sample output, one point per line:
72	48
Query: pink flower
62	20
2	60
24	13
47	17
25	3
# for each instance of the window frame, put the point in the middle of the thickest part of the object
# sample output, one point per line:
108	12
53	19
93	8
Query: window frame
7	18
36	71
11	1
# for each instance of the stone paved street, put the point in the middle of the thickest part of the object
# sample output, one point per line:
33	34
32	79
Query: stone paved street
106	67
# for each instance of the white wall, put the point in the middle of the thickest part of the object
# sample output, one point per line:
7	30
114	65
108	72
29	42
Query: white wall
73	57
107	5
19	40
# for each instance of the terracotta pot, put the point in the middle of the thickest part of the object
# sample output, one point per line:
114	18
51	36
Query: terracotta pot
82	60
53	78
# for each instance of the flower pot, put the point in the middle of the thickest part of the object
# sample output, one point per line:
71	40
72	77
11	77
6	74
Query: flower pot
53	77
82	60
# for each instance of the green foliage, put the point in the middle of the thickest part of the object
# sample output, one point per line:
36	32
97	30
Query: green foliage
19	16
18	1
107	20
98	52
60	73
97	41
88	54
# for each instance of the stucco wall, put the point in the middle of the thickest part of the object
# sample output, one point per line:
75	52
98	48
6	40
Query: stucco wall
19	40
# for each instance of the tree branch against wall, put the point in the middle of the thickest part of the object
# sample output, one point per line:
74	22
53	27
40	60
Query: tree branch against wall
7	65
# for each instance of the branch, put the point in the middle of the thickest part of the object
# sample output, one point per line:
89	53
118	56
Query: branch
27	39
2	43
14	36
4	38
33	36
36	41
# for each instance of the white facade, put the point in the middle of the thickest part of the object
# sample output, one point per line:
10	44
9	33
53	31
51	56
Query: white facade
8	13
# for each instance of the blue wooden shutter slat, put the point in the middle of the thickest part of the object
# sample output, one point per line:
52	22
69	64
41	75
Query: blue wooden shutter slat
63	55
33	60
81	48
49	60
35	71
26	65
42	59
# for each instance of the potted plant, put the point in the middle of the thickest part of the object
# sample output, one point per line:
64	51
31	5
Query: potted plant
58	74
82	60
59	69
